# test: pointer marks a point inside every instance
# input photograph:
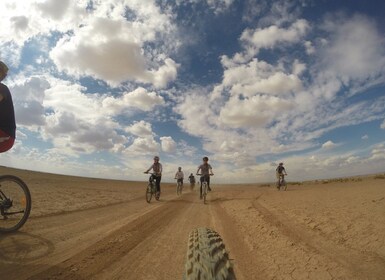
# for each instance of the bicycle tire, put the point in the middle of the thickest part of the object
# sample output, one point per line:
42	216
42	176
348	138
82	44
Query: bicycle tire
148	193
178	188
14	188
207	257
284	185
204	192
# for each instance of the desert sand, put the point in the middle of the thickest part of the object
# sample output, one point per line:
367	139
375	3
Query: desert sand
82	228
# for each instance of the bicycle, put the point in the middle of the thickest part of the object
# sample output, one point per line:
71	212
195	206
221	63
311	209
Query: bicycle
151	188
204	187
281	183
179	187
15	203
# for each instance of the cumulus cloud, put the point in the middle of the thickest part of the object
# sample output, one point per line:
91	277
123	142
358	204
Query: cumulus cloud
168	144
270	36
256	111
141	129
140	98
328	145
355	49
142	146
102	42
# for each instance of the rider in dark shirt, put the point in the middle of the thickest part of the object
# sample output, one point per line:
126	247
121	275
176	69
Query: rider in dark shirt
7	114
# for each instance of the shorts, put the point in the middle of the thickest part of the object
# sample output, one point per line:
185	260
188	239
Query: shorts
6	141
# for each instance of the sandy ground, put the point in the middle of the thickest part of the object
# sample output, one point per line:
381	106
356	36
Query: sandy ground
102	229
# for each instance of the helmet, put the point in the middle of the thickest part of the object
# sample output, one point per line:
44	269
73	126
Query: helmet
205	158
156	158
281	163
3	70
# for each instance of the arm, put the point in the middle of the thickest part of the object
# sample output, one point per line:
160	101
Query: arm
148	169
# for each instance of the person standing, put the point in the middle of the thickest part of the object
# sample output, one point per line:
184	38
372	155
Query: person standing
7	113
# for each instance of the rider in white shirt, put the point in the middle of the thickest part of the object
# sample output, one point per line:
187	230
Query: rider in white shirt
179	175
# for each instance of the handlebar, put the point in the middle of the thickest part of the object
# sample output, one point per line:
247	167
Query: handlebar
151	173
202	174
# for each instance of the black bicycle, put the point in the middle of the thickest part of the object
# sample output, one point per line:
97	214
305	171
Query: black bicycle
281	183
15	203
151	188
204	187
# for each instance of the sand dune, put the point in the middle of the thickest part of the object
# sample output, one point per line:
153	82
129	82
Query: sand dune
83	228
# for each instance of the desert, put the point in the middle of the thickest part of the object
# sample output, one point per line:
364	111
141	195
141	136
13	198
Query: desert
85	228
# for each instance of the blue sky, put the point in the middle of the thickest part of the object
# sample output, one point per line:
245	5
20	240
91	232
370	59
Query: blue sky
100	87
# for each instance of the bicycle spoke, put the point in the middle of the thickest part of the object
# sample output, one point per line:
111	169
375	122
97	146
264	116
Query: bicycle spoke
15	203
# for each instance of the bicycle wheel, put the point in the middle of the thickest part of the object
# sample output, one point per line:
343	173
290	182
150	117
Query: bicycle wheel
148	193
157	194
284	185
204	192
15	203
207	257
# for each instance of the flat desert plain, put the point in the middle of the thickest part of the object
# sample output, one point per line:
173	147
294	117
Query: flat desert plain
83	228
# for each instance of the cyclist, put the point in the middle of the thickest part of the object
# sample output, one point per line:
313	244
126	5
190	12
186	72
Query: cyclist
157	170
179	175
7	113
280	172
205	170
191	179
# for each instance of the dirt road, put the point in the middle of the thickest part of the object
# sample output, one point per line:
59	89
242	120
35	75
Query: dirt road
269	234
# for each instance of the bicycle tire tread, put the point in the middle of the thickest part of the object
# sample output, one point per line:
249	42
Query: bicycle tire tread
207	257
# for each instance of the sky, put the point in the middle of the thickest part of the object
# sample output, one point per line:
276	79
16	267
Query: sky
101	87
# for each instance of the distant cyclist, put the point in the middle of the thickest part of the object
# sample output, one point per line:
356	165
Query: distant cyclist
7	113
191	178
157	170
179	175
205	170
280	172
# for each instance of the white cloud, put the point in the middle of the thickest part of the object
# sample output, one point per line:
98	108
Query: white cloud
255	111
355	50
270	36
102	42
365	137
168	144
140	98
328	145
142	146
383	125
141	129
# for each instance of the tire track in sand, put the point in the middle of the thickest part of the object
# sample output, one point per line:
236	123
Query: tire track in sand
157	238
363	265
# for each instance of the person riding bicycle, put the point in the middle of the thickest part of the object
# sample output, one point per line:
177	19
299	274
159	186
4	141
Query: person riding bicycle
157	170
179	175
280	172
206	171
191	178
7	114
